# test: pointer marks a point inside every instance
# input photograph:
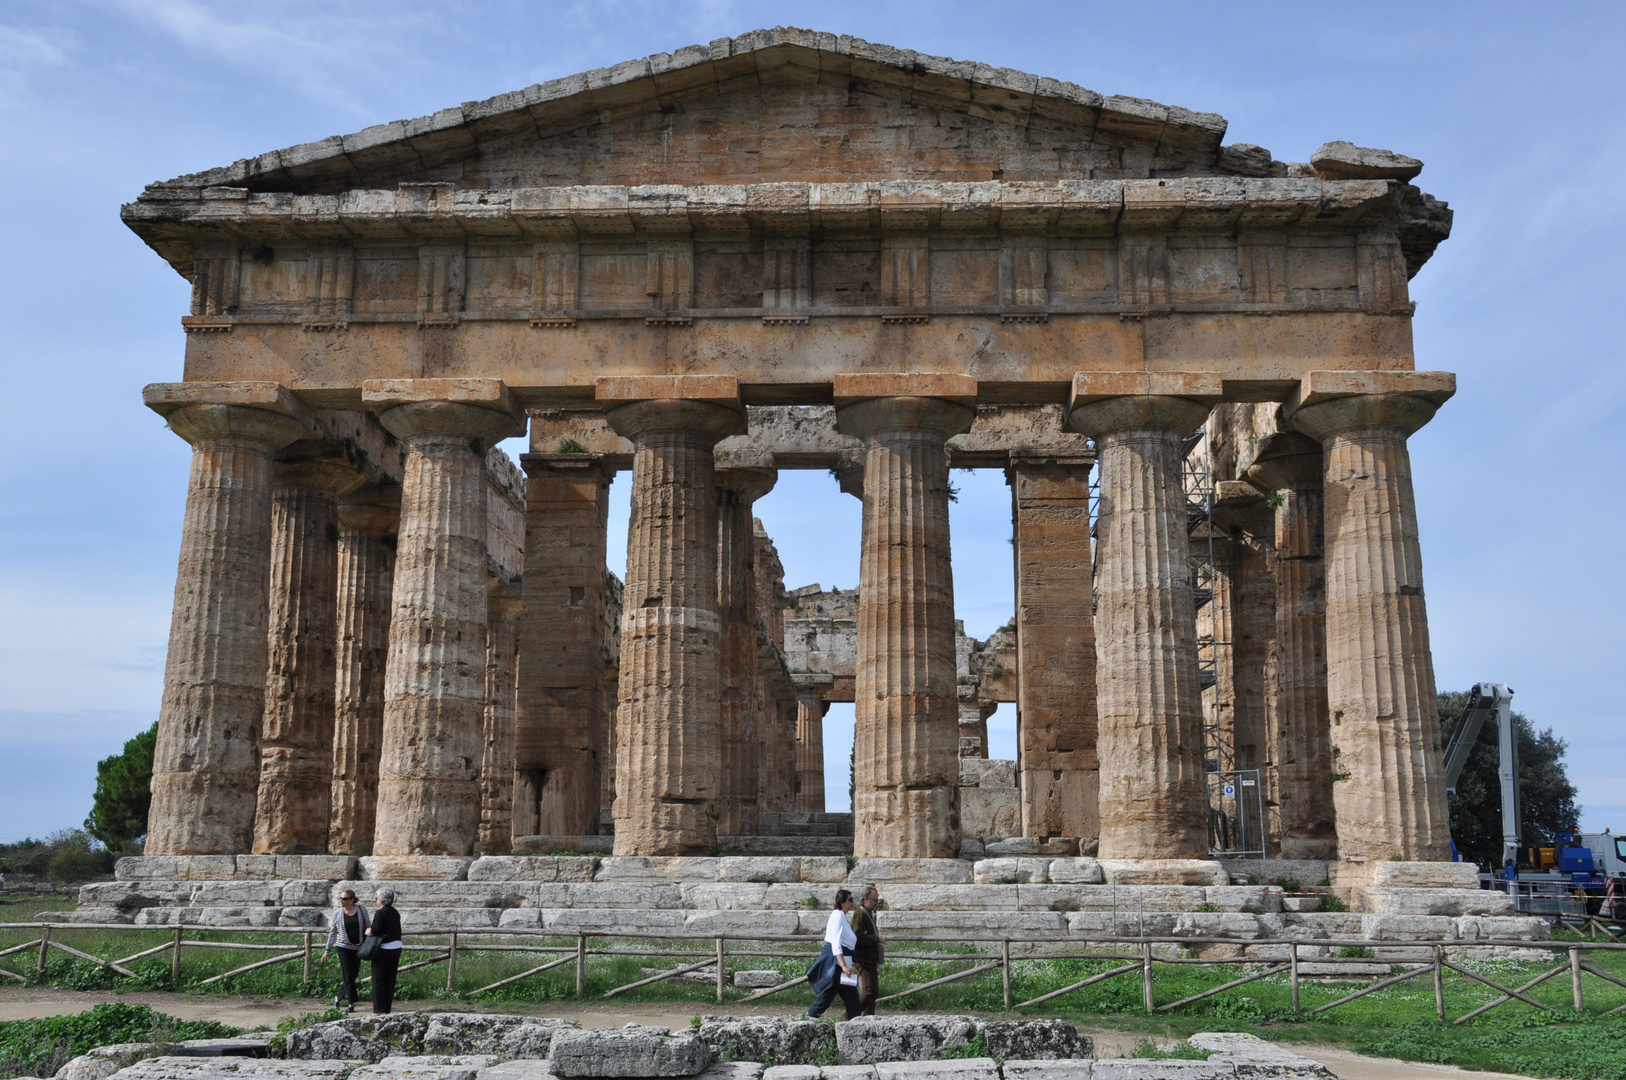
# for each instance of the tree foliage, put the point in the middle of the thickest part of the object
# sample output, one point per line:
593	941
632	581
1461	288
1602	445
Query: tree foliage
118	815
1546	796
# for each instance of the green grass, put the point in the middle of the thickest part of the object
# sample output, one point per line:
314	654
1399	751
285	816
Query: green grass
1395	1022
41	1047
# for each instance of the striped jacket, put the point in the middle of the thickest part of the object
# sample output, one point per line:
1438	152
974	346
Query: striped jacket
335	929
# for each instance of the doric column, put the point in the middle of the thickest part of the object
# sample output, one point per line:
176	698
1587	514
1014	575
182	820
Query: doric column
206	764
1149	740
1288	465
670	753
810	710
907	770
497	762
368	520
296	736
435	685
1388	777
561	737
739	803
1058	776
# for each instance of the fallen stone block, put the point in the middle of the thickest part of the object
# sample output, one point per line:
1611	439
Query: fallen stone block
491	1033
956	1069
757	980
633	1051
767	1038
910	871
1253	1056
103	1061
430	1067
870	1040
194	1068
1053	1040
1345	161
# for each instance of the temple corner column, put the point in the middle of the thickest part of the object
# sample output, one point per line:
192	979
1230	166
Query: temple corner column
1388	774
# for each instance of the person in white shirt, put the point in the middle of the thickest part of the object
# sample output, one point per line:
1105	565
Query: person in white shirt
832	973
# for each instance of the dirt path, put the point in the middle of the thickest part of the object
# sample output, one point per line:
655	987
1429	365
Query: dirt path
248	1011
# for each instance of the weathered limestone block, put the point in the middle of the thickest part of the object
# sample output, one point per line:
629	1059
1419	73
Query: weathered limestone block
1389	789
958	1069
990	812
296	734
368	521
1164	872
668	740
601	895
206	762
1011	871
1342	160
265	893
151	868
901	897
766	869
1055	646
764	1038
532	868
656	868
314	917
564	704
1080	871
635	1051
1031	846
403	1067
1436	902
1408	928
1266	899
232	1068
414	867
434	701
912	871
1253	1056
1067	1069
868	1040
742	922
907	758
586	920
1410	875
823	868
1150	744
1035	1040
743	896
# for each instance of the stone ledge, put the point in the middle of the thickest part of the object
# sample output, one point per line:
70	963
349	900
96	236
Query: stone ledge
1164	872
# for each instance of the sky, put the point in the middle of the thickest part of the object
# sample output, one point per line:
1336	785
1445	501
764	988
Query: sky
1514	108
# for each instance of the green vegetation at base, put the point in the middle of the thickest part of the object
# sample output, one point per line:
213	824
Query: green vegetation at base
41	1047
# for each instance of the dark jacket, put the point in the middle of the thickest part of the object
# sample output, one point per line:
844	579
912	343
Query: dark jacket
868	949
387	924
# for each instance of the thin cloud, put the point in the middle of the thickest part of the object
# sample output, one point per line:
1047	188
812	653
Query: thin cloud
22	53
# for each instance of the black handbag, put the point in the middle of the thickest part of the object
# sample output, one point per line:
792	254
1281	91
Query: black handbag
370	948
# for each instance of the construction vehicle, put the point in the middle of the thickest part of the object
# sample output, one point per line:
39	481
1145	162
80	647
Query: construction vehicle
1488	700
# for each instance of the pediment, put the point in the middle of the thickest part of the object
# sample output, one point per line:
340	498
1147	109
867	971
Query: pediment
780	105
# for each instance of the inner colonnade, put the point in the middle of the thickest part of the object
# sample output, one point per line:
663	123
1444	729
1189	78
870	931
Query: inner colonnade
1023	274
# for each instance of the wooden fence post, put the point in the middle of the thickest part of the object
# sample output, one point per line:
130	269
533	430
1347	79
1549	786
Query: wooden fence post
581	964
45	947
1439	982
175	961
1575	979
1005	969
1293	972
1146	977
451	962
721	977
307	956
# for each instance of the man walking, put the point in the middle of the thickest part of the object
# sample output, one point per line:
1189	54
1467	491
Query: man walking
869	951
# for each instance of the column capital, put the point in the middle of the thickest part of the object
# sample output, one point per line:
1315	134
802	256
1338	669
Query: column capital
211	412
1239	504
877	418
706	419
748	484
479	410
1107	402
1287	460
374	510
1329	403
852	388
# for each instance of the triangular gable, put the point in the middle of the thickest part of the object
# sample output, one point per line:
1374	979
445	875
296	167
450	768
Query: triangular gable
774	94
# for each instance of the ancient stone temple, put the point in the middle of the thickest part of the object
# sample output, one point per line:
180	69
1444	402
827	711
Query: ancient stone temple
793	250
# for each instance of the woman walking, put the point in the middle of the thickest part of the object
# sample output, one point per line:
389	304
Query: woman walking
345	929
832	973
387	929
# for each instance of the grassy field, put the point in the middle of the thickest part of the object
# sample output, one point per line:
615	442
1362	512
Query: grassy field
1395	1022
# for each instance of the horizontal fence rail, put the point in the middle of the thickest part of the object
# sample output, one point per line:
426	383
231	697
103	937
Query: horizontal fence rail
1137	955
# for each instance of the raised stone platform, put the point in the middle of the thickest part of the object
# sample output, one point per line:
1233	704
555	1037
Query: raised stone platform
1025	897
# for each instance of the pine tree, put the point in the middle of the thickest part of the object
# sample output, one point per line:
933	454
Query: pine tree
118	815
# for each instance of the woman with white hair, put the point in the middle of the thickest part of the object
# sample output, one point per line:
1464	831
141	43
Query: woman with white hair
387	960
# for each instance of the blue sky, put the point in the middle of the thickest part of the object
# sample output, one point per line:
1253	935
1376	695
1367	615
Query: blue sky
1515	108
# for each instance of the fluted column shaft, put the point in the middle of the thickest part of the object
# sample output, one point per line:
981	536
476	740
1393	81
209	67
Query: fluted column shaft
562	736
435	680
367	527
497	761
1153	805
810	710
742	697
206	762
669	738
296	736
907	771
1059	781
1388	780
